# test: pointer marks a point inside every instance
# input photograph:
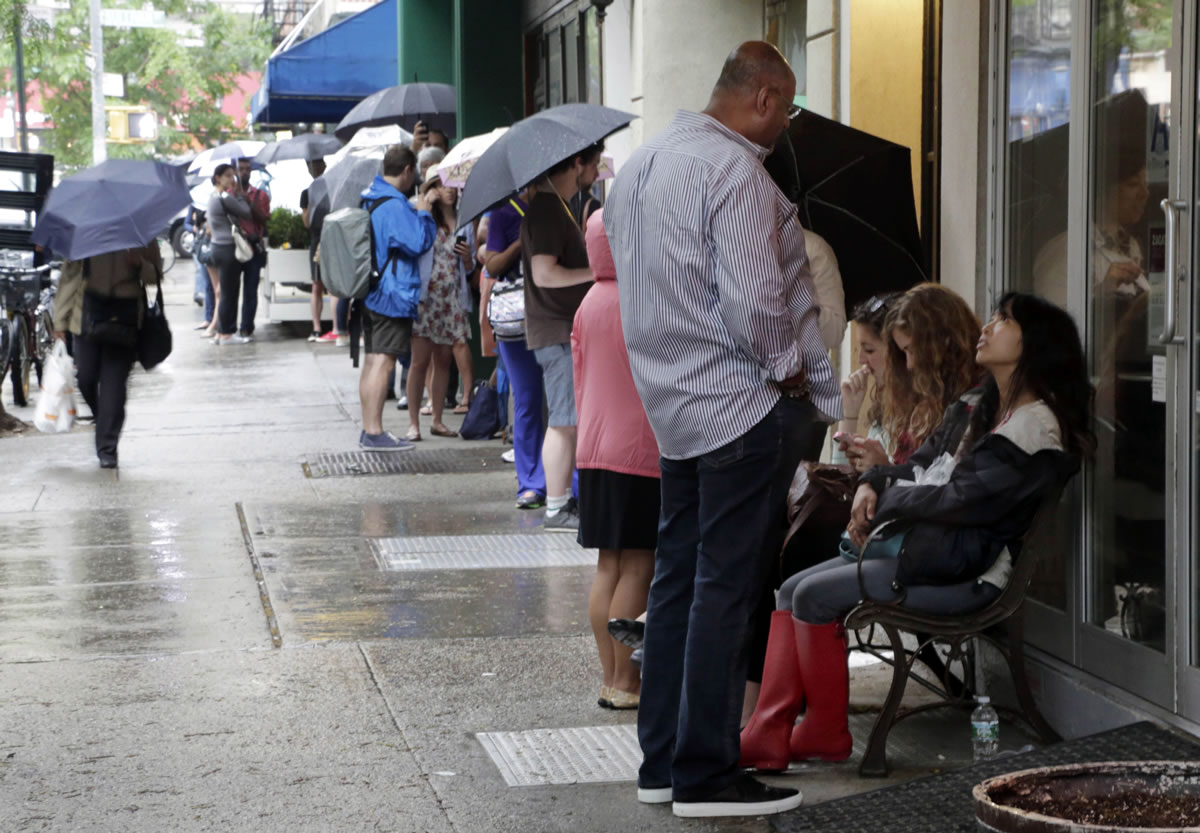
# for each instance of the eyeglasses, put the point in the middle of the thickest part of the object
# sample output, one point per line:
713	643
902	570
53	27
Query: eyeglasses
793	109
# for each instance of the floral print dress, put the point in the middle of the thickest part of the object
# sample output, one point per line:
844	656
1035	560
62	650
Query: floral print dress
441	317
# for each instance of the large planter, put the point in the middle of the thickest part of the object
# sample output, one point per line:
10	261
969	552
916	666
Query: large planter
1112	797
289	266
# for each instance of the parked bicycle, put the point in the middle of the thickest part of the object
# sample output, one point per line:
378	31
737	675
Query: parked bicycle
167	250
27	315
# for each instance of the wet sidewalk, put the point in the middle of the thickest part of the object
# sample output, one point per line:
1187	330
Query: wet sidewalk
245	628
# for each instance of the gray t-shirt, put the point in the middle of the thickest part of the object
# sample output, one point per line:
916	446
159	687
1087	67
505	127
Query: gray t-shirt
220	207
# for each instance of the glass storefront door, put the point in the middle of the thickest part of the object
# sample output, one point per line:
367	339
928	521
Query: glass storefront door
1102	215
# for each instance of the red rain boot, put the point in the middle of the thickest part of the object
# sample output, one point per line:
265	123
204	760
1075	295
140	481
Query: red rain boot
765	738
823	733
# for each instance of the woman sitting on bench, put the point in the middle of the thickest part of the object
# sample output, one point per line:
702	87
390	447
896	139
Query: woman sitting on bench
961	504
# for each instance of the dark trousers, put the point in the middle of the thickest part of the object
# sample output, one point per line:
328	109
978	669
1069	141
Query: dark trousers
231	277
251	272
102	371
719	519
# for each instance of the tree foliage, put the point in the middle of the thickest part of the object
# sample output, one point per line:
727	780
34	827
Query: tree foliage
182	84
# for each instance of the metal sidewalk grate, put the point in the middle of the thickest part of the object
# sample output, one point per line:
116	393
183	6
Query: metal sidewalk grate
480	552
421	461
588	755
943	803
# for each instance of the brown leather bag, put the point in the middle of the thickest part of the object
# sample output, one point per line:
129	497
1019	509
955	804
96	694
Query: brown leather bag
821	494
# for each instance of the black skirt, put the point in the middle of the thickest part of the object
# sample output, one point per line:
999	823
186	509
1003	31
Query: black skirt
618	511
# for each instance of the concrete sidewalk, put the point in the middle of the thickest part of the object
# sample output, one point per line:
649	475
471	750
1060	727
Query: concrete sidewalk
210	639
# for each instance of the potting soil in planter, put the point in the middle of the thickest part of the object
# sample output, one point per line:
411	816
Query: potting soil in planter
1123	809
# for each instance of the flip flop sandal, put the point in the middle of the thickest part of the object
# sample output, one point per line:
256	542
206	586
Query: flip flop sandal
413	435
427	411
442	431
462	409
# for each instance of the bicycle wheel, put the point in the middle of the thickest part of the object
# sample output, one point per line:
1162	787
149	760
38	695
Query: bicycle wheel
43	342
22	363
168	254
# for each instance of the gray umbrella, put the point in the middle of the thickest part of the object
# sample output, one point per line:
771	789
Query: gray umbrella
533	146
343	184
309	146
405	105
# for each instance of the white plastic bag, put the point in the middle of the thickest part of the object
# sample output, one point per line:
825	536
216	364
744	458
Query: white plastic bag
56	405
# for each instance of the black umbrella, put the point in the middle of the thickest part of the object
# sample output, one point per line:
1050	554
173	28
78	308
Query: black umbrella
118	204
309	146
533	146
855	190
405	105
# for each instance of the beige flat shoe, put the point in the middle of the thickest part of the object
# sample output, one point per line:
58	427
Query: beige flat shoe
605	693
622	700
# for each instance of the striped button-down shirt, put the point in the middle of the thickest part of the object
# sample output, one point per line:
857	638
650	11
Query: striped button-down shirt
716	299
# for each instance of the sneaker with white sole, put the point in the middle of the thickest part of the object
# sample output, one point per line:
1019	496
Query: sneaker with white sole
509	456
329	338
343	341
746	796
314	337
654	795
387	441
242	339
564	520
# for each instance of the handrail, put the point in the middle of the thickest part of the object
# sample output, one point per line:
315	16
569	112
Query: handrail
293	35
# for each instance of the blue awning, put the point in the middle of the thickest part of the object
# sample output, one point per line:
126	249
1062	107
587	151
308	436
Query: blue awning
322	78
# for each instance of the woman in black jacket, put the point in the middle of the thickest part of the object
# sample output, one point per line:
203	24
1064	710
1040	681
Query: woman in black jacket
960	506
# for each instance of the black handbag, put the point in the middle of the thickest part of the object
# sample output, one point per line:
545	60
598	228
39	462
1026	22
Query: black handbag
154	338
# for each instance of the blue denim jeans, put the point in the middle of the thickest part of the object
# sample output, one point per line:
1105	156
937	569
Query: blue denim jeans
721	524
528	421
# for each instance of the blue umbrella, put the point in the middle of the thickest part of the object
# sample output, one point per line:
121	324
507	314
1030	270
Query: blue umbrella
531	147
118	204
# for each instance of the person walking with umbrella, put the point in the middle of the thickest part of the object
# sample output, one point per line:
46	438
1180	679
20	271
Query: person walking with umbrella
102	223
723	337
100	302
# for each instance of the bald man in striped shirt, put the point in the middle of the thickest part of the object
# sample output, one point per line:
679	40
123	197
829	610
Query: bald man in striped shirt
722	329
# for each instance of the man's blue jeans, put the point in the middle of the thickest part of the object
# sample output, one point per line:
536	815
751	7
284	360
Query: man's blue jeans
723	516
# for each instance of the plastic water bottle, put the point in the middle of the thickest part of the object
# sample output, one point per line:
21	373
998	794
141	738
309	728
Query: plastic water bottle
985	730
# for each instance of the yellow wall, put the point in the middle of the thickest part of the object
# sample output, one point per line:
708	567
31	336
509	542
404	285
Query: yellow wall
885	74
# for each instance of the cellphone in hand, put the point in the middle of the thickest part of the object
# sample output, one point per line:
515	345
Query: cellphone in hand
842	438
462	238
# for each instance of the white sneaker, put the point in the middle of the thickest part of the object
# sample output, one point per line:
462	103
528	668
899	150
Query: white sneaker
241	339
648	795
509	456
343	341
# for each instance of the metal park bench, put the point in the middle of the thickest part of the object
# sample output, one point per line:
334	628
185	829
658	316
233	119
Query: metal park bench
1001	624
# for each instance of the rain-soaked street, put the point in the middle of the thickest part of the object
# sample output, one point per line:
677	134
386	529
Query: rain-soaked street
237	633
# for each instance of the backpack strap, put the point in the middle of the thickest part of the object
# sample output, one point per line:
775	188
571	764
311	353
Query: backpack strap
514	204
371	205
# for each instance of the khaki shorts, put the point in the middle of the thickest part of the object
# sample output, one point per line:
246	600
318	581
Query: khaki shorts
386	335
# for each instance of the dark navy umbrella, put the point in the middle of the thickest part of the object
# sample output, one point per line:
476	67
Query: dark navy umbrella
118	204
533	146
405	105
309	146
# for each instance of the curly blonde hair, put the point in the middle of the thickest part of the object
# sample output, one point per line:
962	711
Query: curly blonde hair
944	332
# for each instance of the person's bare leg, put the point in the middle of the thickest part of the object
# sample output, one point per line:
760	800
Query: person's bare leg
372	390
462	357
629	597
422	353
558	458
214	275
600	602
440	369
750	702
317	304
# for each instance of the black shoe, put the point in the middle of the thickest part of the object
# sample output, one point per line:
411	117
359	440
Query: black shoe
629	632
108	461
746	796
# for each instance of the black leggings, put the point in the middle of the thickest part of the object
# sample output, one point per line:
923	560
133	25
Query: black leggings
231	277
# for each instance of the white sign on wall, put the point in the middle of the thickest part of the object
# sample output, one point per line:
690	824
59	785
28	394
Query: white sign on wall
133	18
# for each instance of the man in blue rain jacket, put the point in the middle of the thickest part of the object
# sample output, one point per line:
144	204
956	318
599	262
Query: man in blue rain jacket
402	234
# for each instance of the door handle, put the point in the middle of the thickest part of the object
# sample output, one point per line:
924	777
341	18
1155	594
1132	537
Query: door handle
1169	208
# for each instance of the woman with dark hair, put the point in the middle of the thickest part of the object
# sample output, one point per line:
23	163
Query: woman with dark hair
442	316
963	502
225	207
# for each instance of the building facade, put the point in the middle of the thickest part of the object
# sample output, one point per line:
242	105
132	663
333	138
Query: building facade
1054	147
